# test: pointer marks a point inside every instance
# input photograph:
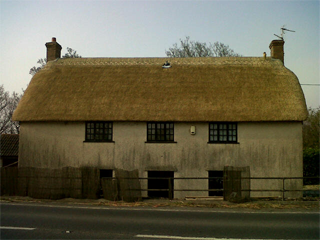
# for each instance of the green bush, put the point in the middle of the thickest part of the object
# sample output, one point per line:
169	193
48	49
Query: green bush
311	161
311	129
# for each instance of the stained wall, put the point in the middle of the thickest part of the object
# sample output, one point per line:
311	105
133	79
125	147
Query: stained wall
271	149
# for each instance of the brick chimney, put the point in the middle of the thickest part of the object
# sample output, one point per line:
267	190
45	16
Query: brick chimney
276	47
53	50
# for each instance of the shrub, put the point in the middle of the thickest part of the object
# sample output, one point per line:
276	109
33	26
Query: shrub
311	163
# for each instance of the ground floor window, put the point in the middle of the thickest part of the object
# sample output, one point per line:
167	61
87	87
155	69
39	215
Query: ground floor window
160	184
106	173
215	182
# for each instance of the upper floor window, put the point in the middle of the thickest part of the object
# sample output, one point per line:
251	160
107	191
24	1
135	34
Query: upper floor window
223	132
99	131
160	132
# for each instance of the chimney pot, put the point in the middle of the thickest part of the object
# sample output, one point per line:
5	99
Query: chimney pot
276	48
54	39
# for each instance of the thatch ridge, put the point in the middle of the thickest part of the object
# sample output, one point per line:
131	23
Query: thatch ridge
139	89
254	61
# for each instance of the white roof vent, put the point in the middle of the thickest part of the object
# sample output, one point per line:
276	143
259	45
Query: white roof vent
166	65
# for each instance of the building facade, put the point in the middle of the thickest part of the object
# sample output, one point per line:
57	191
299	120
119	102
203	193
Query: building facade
190	118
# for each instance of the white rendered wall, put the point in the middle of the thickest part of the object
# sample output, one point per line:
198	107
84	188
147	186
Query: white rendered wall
271	149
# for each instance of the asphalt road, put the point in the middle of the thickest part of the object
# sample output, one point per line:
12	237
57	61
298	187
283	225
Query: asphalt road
41	221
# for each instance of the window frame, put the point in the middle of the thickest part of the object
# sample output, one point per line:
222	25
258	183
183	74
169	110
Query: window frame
166	137
106	131
227	135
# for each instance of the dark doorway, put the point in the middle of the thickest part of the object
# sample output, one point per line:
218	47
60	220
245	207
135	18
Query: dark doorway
216	183
165	181
104	173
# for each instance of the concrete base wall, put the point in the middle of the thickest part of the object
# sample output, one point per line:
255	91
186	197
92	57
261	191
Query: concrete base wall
270	149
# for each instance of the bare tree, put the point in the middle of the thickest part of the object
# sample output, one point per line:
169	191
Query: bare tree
34	69
7	105
190	48
71	53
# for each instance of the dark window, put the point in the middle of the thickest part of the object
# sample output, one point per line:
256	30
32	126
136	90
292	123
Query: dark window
160	132
105	173
99	131
223	132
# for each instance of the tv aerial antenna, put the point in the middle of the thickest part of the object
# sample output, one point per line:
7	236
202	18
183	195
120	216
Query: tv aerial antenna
283	30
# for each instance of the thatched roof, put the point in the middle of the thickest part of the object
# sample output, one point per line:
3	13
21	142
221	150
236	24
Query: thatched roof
139	89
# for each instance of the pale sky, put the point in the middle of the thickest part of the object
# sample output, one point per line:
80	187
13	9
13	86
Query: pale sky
148	28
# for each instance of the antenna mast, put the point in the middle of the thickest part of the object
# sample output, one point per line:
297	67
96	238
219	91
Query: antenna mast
283	29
